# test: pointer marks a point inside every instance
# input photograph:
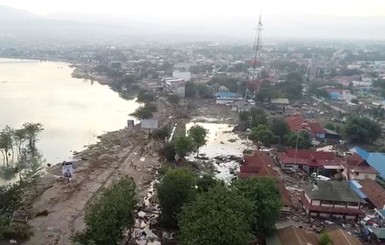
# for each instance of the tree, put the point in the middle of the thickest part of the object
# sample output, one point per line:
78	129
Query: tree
324	239
300	140
219	216
205	182
31	131
161	133
262	192
176	188
110	214
145	96
183	145
173	99
354	101
330	126
6	144
198	136
263	134
279	127
361	130
142	113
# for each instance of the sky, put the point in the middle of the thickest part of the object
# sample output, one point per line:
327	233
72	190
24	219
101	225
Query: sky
206	9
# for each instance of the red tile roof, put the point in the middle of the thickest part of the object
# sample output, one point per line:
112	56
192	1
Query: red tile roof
297	123
341	237
291	235
310	158
261	164
374	192
312	208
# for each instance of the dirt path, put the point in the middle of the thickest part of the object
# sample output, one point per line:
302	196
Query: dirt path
120	153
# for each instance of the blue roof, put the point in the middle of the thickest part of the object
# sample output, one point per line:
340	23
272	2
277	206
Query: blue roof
361	152
355	186
374	159
377	161
225	94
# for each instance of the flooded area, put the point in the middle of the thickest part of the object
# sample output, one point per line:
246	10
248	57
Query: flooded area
223	148
73	111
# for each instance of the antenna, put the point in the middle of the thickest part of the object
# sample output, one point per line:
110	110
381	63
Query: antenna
257	48
258	42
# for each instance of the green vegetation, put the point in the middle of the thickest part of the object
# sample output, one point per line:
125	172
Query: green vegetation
330	126
218	216
262	134
20	156
183	145
173	99
263	194
235	85
279	127
300	140
194	90
252	118
109	215
361	130
198	135
175	189
324	239
161	133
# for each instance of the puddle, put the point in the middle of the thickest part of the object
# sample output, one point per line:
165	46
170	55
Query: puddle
223	143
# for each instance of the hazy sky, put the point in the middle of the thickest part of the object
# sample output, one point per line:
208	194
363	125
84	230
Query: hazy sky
203	8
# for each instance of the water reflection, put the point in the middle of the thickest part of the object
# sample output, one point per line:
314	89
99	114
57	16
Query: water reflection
72	112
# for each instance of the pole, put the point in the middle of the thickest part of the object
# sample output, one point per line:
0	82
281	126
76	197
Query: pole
296	150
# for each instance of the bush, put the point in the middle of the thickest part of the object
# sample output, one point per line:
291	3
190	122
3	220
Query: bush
168	152
109	215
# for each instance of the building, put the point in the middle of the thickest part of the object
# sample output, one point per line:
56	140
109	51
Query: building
280	103
260	164
340	94
242	105
377	234
372	193
292	235
331	199
310	161
297	123
375	159
341	237
174	86
223	98
358	168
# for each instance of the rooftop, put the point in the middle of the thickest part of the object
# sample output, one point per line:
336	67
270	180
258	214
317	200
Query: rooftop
341	237
374	192
331	191
292	236
261	164
374	159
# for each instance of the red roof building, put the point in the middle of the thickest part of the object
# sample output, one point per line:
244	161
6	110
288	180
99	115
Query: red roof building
297	123
308	160
357	168
374	192
260	164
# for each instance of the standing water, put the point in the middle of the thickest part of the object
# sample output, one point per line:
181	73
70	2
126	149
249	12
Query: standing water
73	111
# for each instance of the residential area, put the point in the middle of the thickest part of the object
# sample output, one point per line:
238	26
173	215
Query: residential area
306	117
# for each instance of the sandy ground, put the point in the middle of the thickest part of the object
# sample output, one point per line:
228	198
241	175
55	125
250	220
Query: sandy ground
126	152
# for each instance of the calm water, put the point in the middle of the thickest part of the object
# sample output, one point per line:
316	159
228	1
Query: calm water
72	111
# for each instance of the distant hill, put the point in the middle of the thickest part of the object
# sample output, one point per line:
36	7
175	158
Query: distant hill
8	13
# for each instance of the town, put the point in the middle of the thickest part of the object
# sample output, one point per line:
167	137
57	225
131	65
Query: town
303	120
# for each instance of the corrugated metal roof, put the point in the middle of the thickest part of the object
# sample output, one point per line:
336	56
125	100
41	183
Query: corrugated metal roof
332	191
